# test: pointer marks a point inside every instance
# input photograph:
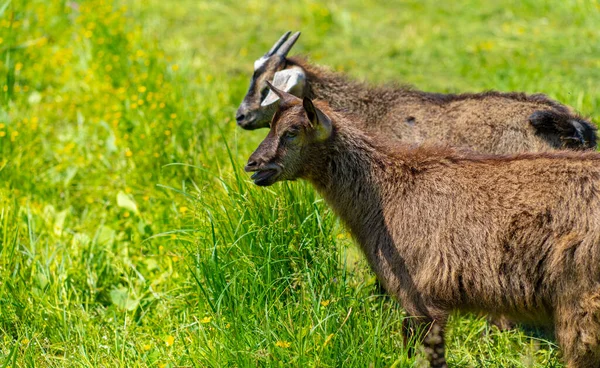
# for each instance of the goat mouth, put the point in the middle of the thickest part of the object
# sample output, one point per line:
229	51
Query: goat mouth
265	177
248	124
253	123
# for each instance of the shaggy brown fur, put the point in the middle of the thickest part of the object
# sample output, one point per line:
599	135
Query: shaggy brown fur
446	230
489	122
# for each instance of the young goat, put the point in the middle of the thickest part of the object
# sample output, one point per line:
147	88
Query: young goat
490	122
446	230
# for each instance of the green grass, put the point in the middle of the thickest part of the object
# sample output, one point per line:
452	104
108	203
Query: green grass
130	236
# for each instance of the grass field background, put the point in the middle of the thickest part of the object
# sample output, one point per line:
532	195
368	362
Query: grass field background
130	236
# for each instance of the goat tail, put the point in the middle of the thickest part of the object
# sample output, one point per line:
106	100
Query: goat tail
573	131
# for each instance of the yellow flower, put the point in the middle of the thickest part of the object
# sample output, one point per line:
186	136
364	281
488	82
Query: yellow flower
228	325
283	344
18	66
169	340
173	116
325	303
126	214
25	341
206	320
141	89
2	133
183	209
128	153
147	347
175	67
167	132
2	126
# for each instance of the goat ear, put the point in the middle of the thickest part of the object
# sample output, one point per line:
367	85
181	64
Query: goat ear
320	122
289	80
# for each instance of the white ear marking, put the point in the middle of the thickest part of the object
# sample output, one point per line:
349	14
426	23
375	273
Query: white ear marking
260	62
288	80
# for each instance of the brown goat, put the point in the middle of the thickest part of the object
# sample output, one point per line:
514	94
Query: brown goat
489	122
447	230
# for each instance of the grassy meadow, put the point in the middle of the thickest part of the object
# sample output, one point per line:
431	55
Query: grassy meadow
130	235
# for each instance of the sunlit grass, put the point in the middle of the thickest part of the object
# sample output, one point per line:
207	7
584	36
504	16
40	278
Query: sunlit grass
130	236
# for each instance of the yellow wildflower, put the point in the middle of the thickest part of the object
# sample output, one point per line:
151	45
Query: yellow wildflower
25	341
206	320
18	66
169	340
283	344
2	133
141	89
173	115
183	209
175	67
147	347
325	302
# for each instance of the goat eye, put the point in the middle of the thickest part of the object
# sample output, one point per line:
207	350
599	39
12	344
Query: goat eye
290	134
264	93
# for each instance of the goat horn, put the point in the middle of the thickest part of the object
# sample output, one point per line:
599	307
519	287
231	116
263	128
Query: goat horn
278	44
286	98
287	46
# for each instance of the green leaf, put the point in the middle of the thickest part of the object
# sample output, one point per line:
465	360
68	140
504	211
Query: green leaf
125	201
121	298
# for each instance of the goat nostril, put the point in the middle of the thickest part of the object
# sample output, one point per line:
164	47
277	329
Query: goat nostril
251	165
240	117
